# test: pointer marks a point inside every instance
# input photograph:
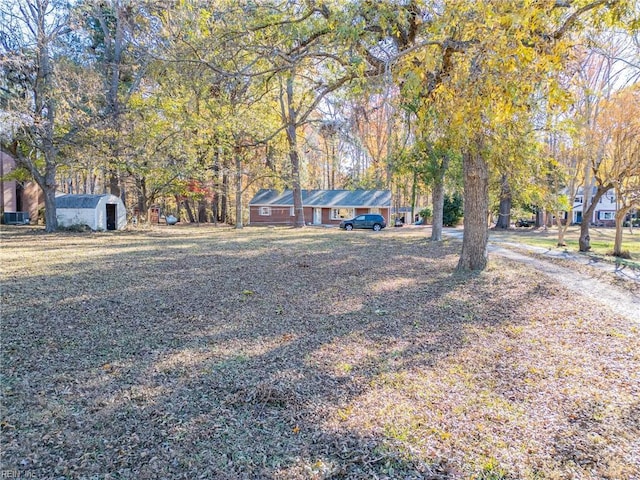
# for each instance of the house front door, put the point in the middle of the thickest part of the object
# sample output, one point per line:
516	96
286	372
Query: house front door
317	216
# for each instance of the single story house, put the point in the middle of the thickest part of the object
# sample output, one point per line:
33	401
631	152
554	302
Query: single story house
98	212
321	207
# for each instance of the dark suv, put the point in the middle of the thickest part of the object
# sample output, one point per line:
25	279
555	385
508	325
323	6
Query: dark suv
368	220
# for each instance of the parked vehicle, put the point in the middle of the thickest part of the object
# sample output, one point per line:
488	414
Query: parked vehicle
368	220
525	223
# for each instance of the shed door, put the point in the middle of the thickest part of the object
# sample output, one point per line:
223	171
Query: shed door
111	216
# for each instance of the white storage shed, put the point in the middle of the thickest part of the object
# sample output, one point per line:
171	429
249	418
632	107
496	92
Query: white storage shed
98	212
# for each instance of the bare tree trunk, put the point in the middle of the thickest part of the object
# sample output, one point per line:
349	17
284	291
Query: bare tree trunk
334	163
290	116
476	210
49	190
224	202
111	20
187	207
297	189
44	108
562	229
202	211
178	209
584	241
504	215
437	197
141	186
215	200
238	161
414	194
617	245
215	207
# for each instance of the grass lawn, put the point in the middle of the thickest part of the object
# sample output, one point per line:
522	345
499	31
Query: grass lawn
602	239
201	352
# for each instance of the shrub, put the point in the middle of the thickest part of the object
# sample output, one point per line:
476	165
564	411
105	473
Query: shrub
425	213
626	254
452	210
76	227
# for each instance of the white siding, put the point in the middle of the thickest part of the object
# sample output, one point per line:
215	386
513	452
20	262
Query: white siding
77	216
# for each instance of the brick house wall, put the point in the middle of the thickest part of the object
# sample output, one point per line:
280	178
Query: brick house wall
281	215
26	197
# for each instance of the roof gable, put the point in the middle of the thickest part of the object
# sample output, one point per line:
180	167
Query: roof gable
325	198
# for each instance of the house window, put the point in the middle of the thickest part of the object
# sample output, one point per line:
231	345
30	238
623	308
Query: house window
578	200
605	216
341	213
265	211
374	210
292	212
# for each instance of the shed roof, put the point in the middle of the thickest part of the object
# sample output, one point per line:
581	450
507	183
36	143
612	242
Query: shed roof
78	201
325	198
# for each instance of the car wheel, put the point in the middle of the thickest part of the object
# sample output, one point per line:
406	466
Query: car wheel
376	227
348	226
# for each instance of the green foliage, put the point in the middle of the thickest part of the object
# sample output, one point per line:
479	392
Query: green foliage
19	174
452	210
491	470
425	213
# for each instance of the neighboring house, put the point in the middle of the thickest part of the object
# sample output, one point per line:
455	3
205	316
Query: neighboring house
321	207
605	212
98	212
15	196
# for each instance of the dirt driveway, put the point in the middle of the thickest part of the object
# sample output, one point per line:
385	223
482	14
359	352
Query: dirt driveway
595	281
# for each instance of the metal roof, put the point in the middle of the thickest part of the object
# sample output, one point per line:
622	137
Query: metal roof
79	201
325	198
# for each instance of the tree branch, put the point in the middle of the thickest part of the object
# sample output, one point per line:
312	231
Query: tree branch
573	18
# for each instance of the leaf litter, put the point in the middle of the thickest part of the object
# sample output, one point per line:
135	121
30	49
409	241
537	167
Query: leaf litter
201	352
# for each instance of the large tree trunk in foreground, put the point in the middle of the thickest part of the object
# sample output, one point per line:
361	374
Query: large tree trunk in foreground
476	211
